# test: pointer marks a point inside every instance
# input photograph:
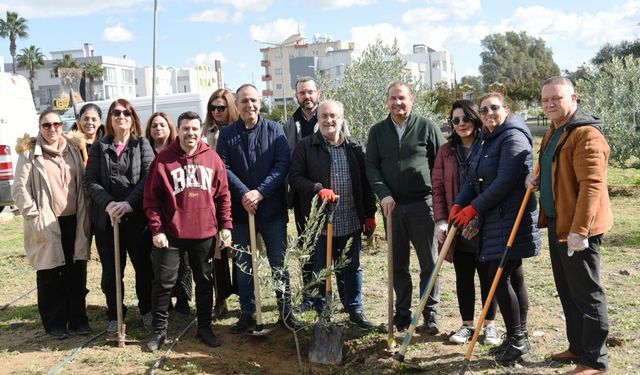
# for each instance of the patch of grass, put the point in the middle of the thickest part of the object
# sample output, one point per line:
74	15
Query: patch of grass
621	177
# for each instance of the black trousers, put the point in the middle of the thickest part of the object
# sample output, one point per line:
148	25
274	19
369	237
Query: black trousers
582	297
184	286
307	267
466	264
62	290
511	294
165	269
135	241
222	277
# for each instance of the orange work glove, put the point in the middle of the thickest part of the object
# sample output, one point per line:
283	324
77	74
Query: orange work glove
462	219
327	195
369	226
454	211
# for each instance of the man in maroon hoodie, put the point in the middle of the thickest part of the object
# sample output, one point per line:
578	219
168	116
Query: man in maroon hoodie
187	201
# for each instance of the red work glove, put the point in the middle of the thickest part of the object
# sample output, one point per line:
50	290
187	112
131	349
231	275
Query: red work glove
327	195
454	211
463	218
369	226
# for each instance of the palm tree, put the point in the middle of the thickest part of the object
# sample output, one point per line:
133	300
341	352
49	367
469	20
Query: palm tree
13	27
93	70
66	62
32	59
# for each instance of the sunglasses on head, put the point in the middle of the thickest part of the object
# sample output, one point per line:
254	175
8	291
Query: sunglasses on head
492	107
218	108
48	125
117	113
458	120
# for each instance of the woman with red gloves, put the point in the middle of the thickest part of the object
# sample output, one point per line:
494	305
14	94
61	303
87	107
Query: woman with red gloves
450	169
328	163
493	191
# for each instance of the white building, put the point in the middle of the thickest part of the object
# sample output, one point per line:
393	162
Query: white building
200	79
164	81
430	66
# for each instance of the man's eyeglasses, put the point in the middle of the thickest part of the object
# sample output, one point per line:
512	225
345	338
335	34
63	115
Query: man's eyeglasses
458	120
217	108
117	113
492	107
329	116
308	92
48	125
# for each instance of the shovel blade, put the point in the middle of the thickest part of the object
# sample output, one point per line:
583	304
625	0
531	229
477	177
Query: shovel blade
326	345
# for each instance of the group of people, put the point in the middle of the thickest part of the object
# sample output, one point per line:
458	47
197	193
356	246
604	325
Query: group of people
184	195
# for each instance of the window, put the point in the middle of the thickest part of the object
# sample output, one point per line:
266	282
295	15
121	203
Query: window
109	75
127	75
277	57
278	71
53	74
110	91
278	86
315	53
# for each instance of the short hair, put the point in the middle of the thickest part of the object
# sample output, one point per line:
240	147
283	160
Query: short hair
47	111
232	110
89	106
330	101
304	79
560	80
136	129
245	85
398	84
189	115
172	129
494	94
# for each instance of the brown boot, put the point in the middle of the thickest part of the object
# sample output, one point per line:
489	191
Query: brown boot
585	370
565	356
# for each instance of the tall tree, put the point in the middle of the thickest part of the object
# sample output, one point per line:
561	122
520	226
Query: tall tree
32	59
67	61
93	70
363	89
13	27
609	51
518	61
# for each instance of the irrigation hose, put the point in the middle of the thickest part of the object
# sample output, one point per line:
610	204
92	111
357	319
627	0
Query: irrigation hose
71	356
154	367
5	306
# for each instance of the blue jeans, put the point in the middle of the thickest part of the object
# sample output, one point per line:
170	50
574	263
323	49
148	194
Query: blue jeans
349	278
274	234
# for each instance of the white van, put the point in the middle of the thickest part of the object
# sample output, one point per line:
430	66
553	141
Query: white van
173	105
17	117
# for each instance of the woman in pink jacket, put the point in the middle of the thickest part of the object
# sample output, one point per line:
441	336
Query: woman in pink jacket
452	163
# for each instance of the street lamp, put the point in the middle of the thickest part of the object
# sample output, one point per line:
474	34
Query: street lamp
292	39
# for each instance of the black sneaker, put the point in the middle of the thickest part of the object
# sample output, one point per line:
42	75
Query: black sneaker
206	335
82	329
182	306
517	350
496	350
59	333
430	325
244	322
291	322
401	322
156	341
360	320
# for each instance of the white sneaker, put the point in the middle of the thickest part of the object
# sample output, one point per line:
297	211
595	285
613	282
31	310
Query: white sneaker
112	327
463	335
491	335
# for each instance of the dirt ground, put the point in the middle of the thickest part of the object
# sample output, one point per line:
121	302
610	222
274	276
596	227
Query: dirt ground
26	349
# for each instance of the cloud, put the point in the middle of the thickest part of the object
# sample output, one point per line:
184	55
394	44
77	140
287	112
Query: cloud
116	34
337	4
421	15
441	11
69	8
365	35
247	5
216	15
276	31
206	58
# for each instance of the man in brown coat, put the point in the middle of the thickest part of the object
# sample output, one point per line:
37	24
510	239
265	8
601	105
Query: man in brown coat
575	207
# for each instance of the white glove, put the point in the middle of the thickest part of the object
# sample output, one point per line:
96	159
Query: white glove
160	241
532	182
441	230
225	238
576	242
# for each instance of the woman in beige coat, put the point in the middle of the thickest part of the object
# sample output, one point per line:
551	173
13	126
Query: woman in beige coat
49	193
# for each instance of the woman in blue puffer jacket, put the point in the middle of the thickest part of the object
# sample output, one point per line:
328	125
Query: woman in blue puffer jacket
493	191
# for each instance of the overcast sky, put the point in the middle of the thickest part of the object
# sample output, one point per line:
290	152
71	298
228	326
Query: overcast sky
200	31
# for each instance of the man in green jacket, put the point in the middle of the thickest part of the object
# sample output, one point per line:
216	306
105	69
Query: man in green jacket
401	152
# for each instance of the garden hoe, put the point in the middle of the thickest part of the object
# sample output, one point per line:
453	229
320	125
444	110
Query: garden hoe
391	342
259	330
121	336
399	355
326	346
496	279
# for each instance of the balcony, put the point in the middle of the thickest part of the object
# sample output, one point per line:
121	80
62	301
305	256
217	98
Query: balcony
267	77
264	49
267	92
265	63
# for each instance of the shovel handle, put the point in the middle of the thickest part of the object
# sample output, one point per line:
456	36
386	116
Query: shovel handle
254	268
329	260
390	340
116	255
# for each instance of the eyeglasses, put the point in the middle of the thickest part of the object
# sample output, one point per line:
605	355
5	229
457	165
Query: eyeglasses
117	113
158	125
308	92
458	120
218	108
329	116
492	107
48	125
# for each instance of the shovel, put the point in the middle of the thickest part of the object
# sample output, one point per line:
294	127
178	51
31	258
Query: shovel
121	336
391	342
326	346
259	330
